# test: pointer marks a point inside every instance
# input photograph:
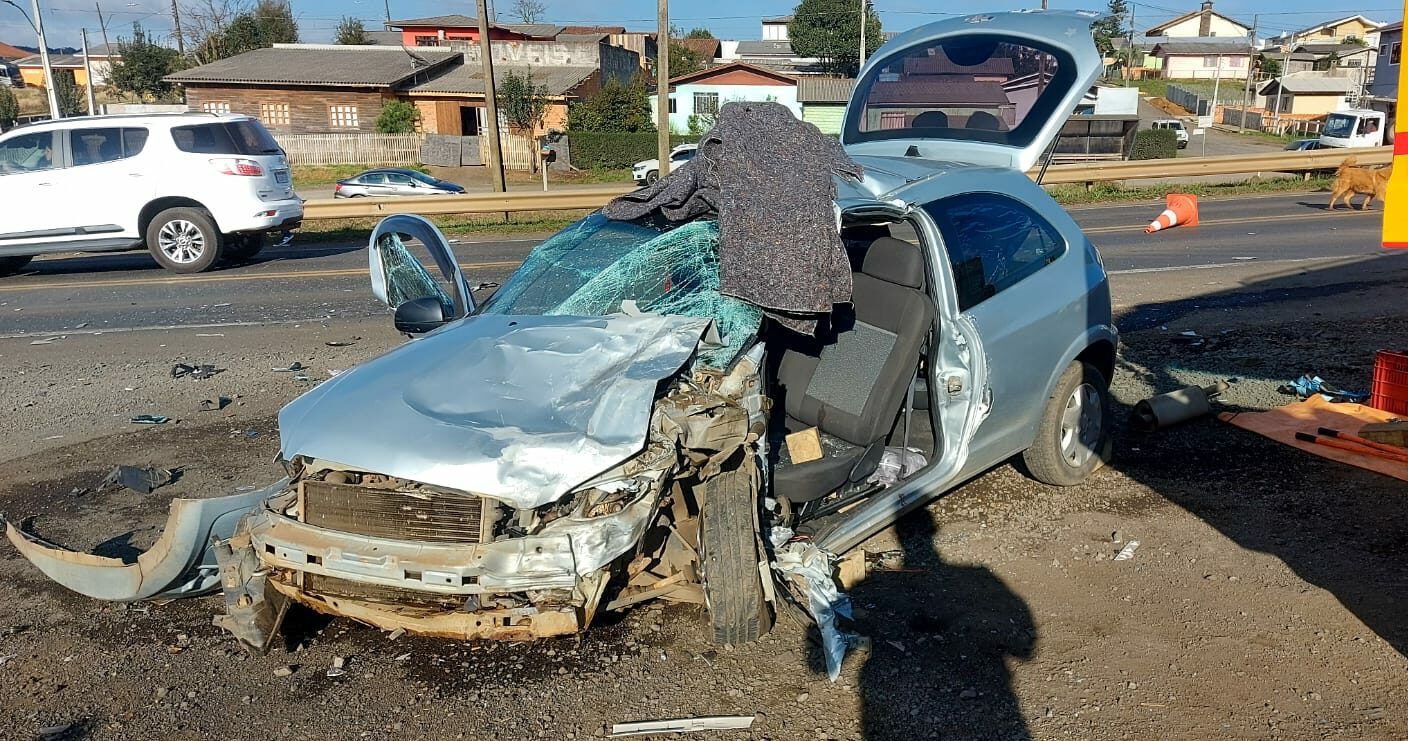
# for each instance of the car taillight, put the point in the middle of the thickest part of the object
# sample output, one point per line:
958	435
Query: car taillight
237	166
336	187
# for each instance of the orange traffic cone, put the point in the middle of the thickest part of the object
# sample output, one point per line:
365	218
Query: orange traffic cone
1182	210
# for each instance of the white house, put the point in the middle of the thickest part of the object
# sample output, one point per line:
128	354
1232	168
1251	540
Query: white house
1204	22
775	29
702	93
1204	59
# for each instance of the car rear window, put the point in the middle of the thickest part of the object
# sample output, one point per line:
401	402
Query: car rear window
226	137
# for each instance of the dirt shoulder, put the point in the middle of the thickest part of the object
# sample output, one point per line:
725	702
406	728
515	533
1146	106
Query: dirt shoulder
1265	599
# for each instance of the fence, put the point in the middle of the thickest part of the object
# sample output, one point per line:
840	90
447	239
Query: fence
352	149
519	152
1261	120
1199	102
585	199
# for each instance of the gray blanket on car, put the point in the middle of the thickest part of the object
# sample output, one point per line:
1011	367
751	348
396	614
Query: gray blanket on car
767	176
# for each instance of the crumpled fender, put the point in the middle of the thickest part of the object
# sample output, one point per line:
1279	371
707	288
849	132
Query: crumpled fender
180	564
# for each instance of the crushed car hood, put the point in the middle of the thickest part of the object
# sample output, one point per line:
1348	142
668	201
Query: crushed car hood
518	408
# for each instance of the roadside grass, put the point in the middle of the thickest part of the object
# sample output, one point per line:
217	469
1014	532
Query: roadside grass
1153	88
1078	195
525	223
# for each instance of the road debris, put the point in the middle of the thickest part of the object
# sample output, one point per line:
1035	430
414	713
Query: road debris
1127	552
683	725
1307	386
141	480
809	571
204	370
293	367
53	733
149	419
48	340
283	671
214	405
343	343
338	667
1173	407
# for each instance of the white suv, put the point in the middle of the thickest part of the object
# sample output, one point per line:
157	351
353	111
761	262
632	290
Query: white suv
195	188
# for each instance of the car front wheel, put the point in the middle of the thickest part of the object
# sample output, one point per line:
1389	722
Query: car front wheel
184	240
652	177
730	551
1072	438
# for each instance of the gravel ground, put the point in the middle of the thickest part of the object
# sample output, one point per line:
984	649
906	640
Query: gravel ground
1265	599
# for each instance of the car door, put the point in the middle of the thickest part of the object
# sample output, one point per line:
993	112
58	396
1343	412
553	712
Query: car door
34	207
373	184
986	89
399	184
106	176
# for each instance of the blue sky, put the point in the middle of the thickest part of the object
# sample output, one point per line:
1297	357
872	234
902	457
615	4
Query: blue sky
726	18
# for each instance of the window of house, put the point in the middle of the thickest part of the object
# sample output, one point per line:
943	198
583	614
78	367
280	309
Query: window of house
1383	50
217	108
274	114
706	103
429	40
1209	61
95	146
1395	53
342	116
1238	62
894	120
993	242
673	105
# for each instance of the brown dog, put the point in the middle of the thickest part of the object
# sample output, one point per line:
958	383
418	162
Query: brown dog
1351	181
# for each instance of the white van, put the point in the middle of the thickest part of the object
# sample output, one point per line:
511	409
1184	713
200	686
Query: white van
193	187
1178	130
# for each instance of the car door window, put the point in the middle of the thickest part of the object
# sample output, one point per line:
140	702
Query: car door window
27	153
375	178
993	242
394	178
94	146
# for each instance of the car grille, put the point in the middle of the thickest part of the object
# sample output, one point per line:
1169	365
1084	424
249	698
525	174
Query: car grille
331	586
421	516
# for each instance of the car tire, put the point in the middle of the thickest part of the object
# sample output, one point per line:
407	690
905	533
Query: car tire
12	265
1072	439
652	177
244	246
730	551
184	240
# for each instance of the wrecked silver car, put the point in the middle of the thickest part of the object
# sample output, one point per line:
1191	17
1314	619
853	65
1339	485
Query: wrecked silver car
633	415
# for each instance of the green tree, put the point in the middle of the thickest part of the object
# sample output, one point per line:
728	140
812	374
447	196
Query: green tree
1110	26
529	11
143	67
830	31
1268	66
351	32
275	21
71	101
9	108
269	22
699	33
522	103
397	117
614	108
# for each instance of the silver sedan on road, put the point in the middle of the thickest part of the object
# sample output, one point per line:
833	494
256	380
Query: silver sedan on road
394	182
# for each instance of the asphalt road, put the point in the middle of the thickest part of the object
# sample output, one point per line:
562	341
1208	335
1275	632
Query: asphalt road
99	293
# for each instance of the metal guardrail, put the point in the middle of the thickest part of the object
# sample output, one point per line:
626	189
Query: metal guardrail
1088	172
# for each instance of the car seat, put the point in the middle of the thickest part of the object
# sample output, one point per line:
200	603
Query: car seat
852	384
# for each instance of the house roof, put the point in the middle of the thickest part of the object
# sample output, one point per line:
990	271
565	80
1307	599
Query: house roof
1158	30
386	38
458	20
1336	22
1308	83
464	79
60	61
778	19
1395	26
928	93
707	48
824	89
765	49
1202	47
11	52
322	65
940	64
721	69
1328	49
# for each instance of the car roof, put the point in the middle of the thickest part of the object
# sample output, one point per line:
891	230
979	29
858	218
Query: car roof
156	119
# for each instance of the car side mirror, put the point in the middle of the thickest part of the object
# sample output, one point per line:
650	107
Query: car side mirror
420	315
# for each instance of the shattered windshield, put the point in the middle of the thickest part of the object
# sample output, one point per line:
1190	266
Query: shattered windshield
598	267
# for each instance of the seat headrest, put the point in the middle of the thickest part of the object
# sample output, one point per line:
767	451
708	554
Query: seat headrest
894	261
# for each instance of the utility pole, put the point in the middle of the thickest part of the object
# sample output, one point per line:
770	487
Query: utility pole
88	72
1212	108
176	22
491	103
662	89
388	15
49	81
862	35
1129	50
1281	87
1251	67
103	26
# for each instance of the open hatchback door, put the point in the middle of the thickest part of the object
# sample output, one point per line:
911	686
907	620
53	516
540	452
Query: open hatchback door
990	90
